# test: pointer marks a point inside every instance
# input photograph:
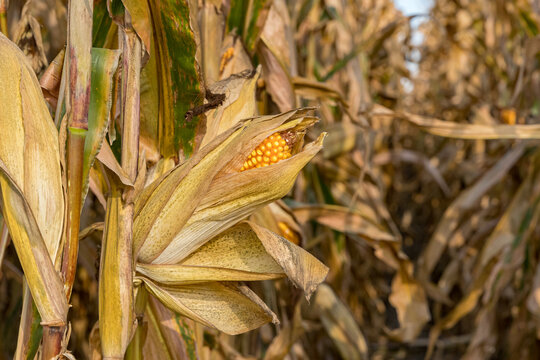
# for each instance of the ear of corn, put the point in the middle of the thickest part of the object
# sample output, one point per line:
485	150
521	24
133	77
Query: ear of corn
232	197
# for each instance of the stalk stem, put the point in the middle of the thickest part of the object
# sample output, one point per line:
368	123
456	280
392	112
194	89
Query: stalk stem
52	341
77	95
75	145
78	101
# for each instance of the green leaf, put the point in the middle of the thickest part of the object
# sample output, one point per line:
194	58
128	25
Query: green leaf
255	23
237	16
102	24
170	80
36	333
104	65
187	335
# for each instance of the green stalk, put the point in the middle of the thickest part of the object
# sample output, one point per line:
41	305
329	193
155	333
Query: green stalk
3	17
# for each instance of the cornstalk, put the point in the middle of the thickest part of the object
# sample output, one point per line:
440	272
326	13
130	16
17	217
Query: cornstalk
116	268
3	17
77	105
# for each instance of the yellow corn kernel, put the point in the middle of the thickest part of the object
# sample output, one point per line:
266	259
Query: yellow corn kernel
270	151
227	55
288	233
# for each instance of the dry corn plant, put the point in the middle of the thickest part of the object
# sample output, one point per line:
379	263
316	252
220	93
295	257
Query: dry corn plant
177	179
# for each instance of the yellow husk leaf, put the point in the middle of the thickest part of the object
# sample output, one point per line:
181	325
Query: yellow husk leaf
167	210
246	252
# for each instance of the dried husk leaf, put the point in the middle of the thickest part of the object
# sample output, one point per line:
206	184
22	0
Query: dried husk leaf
302	268
247	252
30	152
223	306
242	257
32	198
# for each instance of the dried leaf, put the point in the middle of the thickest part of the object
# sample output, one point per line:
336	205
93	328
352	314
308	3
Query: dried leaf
302	268
340	325
343	219
410	302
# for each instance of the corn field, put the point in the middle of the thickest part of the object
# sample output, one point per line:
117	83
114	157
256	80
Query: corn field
269	179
